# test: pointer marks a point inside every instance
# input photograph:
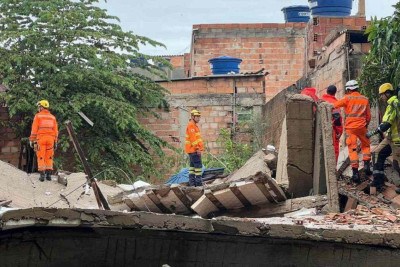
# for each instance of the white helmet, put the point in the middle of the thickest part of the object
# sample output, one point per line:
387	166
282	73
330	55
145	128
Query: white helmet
352	85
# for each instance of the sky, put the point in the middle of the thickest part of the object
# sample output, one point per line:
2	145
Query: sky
170	21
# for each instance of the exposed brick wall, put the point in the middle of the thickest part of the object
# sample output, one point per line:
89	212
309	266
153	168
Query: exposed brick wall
319	28
177	61
278	48
214	98
9	144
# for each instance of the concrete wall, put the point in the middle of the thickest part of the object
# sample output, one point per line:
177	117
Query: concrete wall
278	48
134	247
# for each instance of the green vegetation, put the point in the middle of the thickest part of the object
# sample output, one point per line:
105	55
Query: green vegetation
75	55
382	64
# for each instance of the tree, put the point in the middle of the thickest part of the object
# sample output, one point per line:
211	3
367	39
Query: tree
382	64
75	55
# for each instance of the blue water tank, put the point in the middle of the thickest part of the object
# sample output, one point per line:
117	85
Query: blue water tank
225	65
330	8
296	13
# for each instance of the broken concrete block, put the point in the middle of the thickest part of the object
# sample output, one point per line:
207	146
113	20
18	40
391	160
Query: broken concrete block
325	110
295	157
254	165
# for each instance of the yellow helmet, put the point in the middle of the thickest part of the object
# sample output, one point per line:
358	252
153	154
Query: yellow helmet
43	103
195	112
385	87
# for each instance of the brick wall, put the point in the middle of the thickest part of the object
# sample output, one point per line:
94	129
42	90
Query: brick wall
9	144
177	61
214	98
278	48
319	29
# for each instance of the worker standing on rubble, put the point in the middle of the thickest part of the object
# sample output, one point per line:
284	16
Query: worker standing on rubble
194	147
358	116
43	139
336	118
391	143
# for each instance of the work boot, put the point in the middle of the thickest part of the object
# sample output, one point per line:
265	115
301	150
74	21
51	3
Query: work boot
379	181
355	178
48	175
192	180
198	181
42	176
367	167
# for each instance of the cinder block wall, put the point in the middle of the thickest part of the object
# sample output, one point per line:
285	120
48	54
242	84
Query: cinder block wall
9	143
214	98
279	48
320	27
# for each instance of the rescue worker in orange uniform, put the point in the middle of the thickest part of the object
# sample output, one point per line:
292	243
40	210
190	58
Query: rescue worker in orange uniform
43	138
358	116
194	147
336	118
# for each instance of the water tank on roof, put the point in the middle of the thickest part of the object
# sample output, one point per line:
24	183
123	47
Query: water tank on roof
296	13
225	65
330	8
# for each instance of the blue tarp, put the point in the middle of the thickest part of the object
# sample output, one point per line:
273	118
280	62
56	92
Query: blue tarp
181	177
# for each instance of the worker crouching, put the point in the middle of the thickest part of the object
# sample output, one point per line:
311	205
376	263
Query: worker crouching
358	116
194	147
43	139
391	143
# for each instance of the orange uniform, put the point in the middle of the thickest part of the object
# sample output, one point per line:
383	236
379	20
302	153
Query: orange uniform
358	116
336	123
193	138
45	133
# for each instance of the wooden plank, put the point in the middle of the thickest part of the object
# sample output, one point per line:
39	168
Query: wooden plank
276	209
228	199
214	200
203	206
150	193
142	202
235	190
182	196
173	203
280	195
131	205
253	192
329	156
351	204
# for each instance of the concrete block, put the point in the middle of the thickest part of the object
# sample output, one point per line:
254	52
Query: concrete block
299	110
330	161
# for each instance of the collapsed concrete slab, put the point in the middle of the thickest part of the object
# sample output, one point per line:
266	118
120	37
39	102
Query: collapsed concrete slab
295	157
26	191
104	238
254	165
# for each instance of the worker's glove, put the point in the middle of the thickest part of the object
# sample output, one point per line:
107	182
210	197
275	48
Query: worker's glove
55	145
31	144
372	133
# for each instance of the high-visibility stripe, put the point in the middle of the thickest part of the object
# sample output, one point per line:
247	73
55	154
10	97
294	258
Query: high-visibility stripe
356	97
378	172
355	115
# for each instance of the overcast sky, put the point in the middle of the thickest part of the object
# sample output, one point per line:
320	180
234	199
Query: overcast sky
170	21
